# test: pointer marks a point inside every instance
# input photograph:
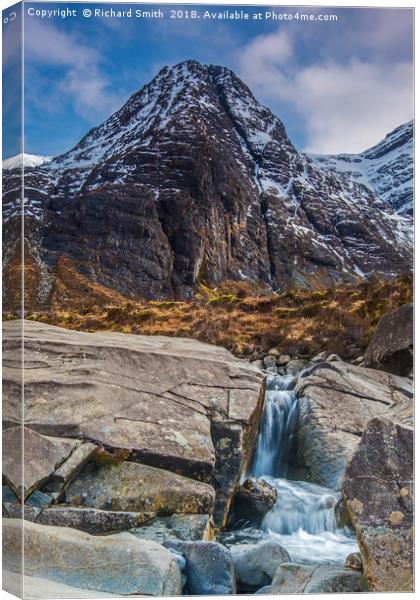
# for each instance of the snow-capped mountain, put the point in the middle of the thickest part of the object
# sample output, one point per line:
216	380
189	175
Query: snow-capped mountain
193	179
28	160
386	169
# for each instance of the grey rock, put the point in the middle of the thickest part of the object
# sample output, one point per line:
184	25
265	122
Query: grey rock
378	493
316	579
283	359
39	499
270	362
333	358
321	357
132	487
43	455
209	567
177	527
274	352
180	392
78	559
92	520
8	494
264	590
256	564
337	400
354	561
295	366
391	346
71	467
43	589
14	511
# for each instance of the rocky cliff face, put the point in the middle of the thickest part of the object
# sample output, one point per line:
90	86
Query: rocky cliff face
193	179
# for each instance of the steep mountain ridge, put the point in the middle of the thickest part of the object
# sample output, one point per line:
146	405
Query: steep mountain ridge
193	179
387	168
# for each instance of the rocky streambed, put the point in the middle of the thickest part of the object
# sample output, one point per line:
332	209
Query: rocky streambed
186	470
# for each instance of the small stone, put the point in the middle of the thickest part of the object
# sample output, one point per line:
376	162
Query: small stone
283	359
295	366
333	358
354	561
270	362
39	499
321	357
274	352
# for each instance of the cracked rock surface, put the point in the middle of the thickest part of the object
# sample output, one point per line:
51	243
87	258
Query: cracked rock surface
337	400
186	410
378	493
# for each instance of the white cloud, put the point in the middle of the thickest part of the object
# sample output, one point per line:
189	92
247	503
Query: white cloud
82	80
344	107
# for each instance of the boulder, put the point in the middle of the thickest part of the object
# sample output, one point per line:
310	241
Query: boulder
283	359
293	578
130	486
209	568
117	564
391	346
161	400
256	564
378	492
252	501
177	527
337	400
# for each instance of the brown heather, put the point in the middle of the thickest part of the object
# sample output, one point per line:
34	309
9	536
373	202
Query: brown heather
249	321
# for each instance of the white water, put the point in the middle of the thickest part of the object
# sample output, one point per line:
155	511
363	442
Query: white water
303	519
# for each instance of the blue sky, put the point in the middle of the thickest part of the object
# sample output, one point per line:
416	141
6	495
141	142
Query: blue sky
337	86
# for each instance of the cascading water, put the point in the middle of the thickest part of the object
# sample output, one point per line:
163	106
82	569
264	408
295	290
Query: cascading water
303	519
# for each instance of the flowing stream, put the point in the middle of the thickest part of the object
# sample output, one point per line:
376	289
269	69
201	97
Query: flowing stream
303	519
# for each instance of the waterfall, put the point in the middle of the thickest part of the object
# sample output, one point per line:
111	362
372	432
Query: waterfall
277	428
304	518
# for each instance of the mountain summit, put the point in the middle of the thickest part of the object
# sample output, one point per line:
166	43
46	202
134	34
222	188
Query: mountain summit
194	180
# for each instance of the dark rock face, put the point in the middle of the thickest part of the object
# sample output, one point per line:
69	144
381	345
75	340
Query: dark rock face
252	501
378	492
391	347
209	568
193	179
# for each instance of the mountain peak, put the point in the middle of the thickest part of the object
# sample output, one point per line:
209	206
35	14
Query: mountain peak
27	160
194	180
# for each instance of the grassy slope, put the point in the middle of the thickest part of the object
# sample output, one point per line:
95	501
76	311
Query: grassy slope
249	321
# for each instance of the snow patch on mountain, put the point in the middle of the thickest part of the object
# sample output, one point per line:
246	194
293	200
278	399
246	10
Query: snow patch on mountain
28	161
386	169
